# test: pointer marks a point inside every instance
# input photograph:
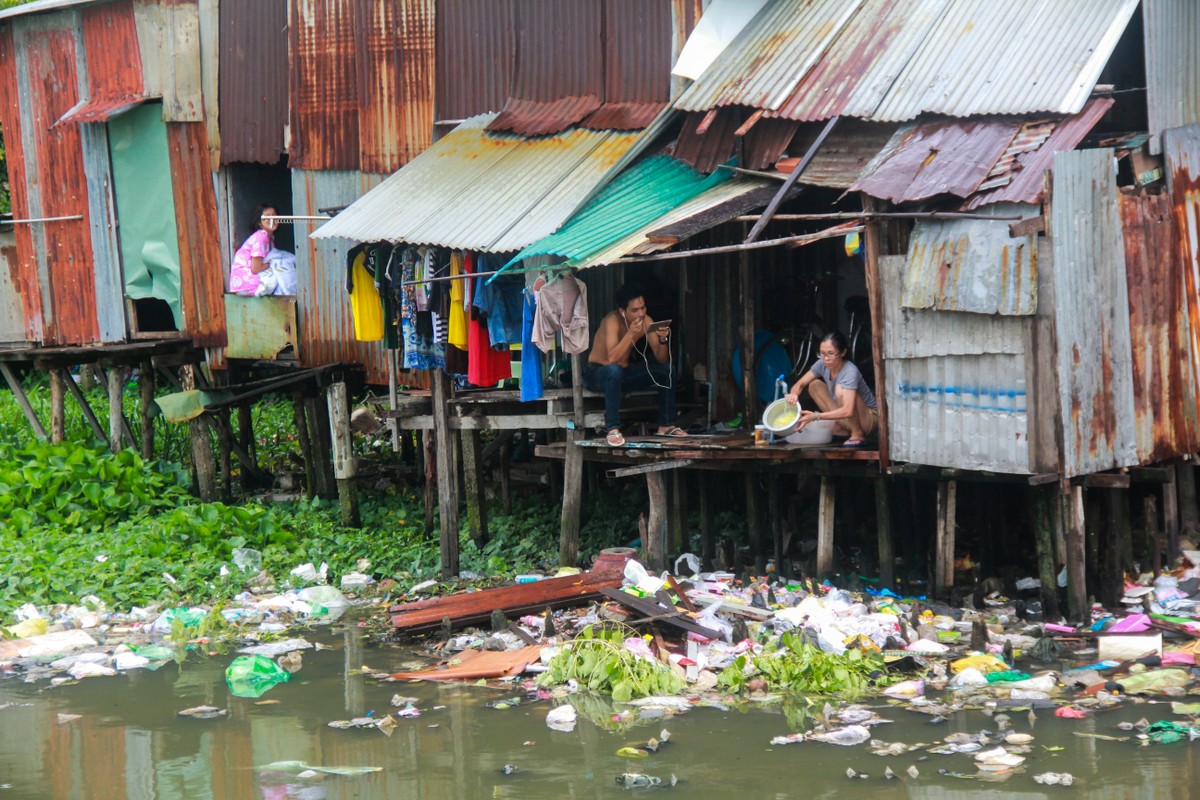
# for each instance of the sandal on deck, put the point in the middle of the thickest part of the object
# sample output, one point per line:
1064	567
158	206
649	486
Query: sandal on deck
673	431
615	438
854	442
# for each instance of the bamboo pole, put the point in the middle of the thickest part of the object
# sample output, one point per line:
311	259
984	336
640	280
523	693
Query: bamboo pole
58	421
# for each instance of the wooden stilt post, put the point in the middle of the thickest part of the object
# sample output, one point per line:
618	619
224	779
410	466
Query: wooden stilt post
756	537
1189	512
506	472
947	505
749	385
447	477
708	529
775	520
202	454
58	421
345	467
1151	545
1117	549
116	408
477	520
23	401
1170	512
225	451
1077	596
147	383
677	541
317	414
429	460
883	530
302	438
89	415
825	515
572	497
1045	498
655	545
393	397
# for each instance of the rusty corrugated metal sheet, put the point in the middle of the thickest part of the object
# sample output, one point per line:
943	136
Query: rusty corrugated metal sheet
24	274
169	41
767	141
253	81
860	65
843	156
1166	423
559	67
201	286
1095	370
324	85
65	248
939	157
12	313
637	64
1025	169
476	41
395	82
972	265
956	387
114	65
1181	146
1172	65
715	146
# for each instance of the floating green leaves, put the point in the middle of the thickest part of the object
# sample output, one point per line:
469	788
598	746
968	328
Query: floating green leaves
599	661
793	665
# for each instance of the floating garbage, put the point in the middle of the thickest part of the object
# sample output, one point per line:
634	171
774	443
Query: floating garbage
846	737
1055	778
562	718
251	676
202	712
636	780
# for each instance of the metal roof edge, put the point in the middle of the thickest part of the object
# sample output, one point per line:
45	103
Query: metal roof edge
39	6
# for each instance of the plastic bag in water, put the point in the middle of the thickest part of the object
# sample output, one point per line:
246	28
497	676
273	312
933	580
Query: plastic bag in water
252	676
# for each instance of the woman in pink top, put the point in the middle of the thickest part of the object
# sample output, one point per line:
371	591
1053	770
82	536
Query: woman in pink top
250	258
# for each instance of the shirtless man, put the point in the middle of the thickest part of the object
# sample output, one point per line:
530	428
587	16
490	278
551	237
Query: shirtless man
626	356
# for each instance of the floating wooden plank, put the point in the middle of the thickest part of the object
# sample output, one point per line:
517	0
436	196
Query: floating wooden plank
655	608
475	664
525	598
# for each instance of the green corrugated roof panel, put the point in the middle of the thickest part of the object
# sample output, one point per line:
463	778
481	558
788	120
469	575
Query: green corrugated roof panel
641	194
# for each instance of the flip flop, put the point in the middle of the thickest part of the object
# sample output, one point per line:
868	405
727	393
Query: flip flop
615	438
852	443
673	431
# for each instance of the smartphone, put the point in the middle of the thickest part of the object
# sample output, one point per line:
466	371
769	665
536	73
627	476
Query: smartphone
662	323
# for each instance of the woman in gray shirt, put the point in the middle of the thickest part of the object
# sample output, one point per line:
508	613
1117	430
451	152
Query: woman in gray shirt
840	392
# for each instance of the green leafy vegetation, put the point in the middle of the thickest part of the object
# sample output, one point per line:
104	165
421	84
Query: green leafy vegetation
600	662
797	666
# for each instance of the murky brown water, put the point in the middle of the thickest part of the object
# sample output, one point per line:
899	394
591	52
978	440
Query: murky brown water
128	743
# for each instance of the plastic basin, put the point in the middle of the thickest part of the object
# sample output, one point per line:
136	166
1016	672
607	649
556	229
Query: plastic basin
819	431
781	417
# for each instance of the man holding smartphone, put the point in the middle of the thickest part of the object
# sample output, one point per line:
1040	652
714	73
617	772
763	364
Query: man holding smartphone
631	351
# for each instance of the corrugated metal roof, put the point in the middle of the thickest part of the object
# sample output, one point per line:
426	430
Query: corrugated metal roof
960	58
1166	425
1025	168
476	41
324	85
202	288
637	63
101	110
706	151
1091	315
253	81
766	141
972	265
764	64
956	389
396	67
635	198
41	6
1181	148
698	211
1172	65
541	117
862	63
939	157
483	191
843	157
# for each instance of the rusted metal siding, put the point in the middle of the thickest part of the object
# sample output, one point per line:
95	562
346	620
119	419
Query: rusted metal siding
939	157
972	265
202	282
957	390
64	247
1172	65
637	63
324	85
395	82
1165	421
114	65
476	41
324	316
253	81
169	40
767	141
1092	315
1018	177
844	156
22	263
558	78
706	150
1181	147
12	315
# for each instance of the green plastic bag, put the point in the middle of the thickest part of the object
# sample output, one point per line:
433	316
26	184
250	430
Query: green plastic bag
1007	676
252	676
1167	732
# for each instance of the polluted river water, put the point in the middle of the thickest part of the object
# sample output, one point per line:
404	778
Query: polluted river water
121	737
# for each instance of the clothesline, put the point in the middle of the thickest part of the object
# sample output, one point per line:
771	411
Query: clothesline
468	275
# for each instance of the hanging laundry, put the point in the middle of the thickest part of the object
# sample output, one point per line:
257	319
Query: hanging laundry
365	304
421	350
500	303
562	307
531	357
457	362
486	366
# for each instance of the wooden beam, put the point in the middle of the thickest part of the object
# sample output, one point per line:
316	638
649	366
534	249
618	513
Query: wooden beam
1044	478
775	520
863	215
654	466
747	295
825	514
742	248
1106	480
1187	511
299	418
947	513
477	517
345	467
447	477
23	401
883	530
795	174
116	410
875	300
58	426
85	407
501	422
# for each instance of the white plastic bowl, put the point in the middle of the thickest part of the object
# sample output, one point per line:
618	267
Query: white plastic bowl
819	431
